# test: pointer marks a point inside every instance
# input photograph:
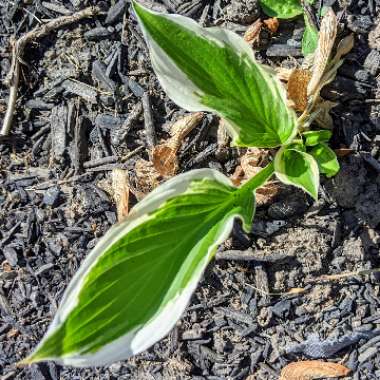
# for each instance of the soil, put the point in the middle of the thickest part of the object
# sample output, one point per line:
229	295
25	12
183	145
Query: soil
87	95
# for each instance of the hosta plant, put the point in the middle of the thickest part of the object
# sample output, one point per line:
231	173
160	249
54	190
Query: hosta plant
135	284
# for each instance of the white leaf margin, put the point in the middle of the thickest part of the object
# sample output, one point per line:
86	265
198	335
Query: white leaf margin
143	336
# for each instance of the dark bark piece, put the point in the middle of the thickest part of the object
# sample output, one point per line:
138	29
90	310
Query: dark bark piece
115	12
100	33
261	283
81	89
80	144
150	132
99	74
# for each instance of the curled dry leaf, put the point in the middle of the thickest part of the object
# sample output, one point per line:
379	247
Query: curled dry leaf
313	369
250	164
323	119
297	88
147	178
327	35
120	190
272	24
164	156
252	34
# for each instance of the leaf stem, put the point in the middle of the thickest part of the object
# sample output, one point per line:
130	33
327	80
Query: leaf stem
259	179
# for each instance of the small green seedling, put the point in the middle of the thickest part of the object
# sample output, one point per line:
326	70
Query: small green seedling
285	9
136	283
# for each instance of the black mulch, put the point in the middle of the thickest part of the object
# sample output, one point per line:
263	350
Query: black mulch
87	99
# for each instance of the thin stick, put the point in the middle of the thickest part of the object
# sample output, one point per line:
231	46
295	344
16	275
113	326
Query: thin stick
18	47
341	276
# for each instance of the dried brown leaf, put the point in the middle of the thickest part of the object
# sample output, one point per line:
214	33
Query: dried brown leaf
323	119
252	34
272	24
120	190
283	73
250	164
165	160
147	178
253	160
297	88
344	47
327	36
313	369
266	194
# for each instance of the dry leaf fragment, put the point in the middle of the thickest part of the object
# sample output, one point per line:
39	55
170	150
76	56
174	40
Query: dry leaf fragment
252	34
250	164
165	160
272	24
120	190
147	178
344	47
253	161
297	88
164	156
313	369
283	73
327	35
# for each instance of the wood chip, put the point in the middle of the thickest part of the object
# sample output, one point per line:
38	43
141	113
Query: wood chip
313	369
297	88
120	190
164	156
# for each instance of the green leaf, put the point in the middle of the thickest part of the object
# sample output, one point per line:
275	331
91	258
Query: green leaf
313	138
297	168
282	8
310	38
327	159
138	280
213	69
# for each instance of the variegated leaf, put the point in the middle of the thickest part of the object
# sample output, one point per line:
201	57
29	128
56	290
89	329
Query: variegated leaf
213	69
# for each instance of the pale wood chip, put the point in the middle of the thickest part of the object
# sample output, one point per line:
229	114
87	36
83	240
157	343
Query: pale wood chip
313	369
120	189
164	156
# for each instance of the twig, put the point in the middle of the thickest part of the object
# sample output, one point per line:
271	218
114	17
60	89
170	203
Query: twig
149	124
18	47
341	276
